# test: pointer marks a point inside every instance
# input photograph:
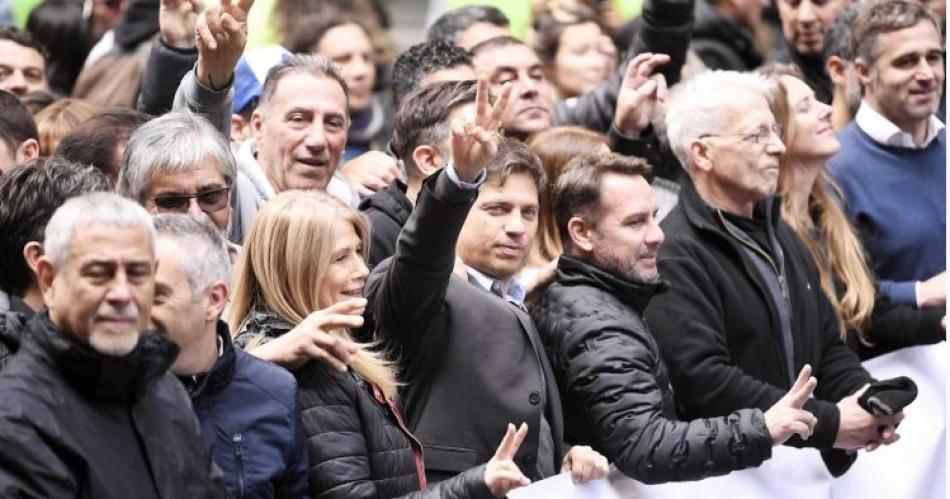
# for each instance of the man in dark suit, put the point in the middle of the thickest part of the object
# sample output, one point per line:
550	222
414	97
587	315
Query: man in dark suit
472	361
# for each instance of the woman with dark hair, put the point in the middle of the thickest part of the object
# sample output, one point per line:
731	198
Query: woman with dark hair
301	272
59	26
574	47
870	323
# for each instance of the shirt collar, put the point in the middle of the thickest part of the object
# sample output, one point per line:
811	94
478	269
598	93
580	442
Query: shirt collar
885	132
515	294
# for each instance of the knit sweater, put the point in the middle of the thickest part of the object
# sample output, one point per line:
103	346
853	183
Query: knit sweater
896	198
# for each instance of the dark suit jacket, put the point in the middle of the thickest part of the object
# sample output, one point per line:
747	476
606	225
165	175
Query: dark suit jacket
472	361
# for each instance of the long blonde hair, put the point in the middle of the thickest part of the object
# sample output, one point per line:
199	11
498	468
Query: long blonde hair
842	255
283	262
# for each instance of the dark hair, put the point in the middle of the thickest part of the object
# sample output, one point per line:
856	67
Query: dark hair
310	29
515	157
315	65
421	120
59	26
884	17
16	122
23	38
577	192
548	28
29	195
449	26
838	36
94	142
420	61
494	43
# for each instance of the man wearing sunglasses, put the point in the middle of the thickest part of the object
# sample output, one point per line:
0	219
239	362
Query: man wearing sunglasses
179	163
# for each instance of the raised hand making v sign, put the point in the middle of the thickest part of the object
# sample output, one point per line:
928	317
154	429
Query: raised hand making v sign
220	35
475	138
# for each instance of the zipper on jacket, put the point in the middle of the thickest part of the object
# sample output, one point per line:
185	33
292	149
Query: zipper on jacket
238	441
778	268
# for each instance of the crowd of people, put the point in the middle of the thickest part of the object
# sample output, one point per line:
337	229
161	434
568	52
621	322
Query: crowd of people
323	268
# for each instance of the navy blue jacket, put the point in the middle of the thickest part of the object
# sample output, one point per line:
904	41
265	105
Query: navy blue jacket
250	422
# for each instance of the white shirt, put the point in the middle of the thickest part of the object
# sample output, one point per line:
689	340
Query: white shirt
885	132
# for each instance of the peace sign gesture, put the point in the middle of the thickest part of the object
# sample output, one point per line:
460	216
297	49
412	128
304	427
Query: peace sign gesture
501	473
475	139
220	35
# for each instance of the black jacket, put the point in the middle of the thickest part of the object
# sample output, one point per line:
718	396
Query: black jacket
471	361
76	423
813	67
894	326
388	210
165	68
723	43
719	329
359	447
250	422
11	328
615	388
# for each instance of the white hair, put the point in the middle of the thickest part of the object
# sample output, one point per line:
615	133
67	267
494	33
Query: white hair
101	208
207	261
703	105
174	143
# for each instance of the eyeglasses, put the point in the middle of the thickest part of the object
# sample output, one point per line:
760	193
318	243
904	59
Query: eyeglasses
209	201
759	137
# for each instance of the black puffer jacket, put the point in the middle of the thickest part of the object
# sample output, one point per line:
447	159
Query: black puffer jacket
615	388
722	43
11	327
358	445
388	211
78	424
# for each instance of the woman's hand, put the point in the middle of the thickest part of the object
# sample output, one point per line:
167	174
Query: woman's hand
502	475
313	339
585	464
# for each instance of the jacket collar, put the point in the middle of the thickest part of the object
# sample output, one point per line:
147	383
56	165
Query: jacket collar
701	215
221	371
105	378
572	271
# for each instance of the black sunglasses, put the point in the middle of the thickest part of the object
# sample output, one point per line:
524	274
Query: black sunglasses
209	201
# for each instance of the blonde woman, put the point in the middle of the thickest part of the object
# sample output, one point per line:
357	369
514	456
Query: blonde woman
301	273
870	323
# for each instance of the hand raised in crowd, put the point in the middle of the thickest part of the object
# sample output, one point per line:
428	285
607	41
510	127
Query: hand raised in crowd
932	293
502	475
475	139
176	22
786	417
640	94
313	339
221	35
584	464
859	429
371	171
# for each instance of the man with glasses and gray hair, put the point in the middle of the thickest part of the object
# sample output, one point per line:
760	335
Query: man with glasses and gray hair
179	163
744	311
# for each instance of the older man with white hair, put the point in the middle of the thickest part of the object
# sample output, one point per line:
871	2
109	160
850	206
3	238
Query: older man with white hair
89	409
744	311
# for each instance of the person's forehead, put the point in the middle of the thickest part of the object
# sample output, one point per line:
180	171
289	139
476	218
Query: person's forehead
189	181
626	193
455	73
514	56
921	37
14	54
102	242
518	188
343	39
748	109
307	91
167	251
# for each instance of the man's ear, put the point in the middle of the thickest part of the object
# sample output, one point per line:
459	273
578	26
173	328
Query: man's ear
427	159
863	70
257	124
45	275
32	253
836	69
29	149
581	234
699	155
217	297
239	128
